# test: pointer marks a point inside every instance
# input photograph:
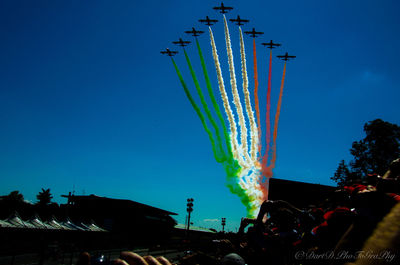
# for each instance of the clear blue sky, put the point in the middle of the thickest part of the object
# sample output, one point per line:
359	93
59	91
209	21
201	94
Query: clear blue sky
88	101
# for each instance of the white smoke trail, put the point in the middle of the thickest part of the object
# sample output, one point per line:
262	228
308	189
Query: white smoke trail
236	97
225	100
250	181
250	114
249	176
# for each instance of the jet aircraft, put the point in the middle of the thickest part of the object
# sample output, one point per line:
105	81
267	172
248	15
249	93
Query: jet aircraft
169	52
223	8
286	57
254	33
271	44
181	42
194	32
239	21
208	21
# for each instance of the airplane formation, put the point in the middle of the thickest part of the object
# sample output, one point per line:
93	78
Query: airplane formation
238	21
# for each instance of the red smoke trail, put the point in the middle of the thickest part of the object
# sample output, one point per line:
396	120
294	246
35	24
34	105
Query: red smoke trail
267	171
256	96
278	111
268	121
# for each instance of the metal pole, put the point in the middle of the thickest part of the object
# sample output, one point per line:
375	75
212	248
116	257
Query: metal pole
189	209
188	225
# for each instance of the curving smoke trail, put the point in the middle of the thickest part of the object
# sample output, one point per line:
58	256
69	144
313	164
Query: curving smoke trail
250	174
245	175
278	112
268	120
225	100
220	153
197	109
243	148
214	102
240	177
249	109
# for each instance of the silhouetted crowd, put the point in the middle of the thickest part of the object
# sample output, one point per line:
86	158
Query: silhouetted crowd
358	224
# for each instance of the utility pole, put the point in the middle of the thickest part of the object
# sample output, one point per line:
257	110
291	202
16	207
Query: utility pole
223	222
189	209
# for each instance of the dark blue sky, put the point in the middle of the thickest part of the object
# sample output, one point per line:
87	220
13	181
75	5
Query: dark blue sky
87	100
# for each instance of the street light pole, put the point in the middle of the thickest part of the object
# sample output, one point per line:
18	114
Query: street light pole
189	209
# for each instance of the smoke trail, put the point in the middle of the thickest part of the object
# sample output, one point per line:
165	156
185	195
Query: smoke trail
268	113
249	109
221	153
225	100
214	102
236	98
256	97
249	177
278	111
234	169
263	184
197	109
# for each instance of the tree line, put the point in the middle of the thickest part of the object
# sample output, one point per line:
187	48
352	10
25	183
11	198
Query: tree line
371	155
15	202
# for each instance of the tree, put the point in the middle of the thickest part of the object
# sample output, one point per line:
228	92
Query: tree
44	197
381	146
11	203
14	197
371	155
341	174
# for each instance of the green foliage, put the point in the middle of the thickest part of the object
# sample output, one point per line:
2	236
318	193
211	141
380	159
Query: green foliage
11	203
44	197
371	155
14	196
341	174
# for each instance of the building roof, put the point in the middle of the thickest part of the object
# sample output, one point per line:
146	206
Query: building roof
300	194
93	199
194	228
15	221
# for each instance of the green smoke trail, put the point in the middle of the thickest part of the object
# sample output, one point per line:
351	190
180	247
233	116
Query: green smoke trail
214	102
231	166
232	170
196	108
221	157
